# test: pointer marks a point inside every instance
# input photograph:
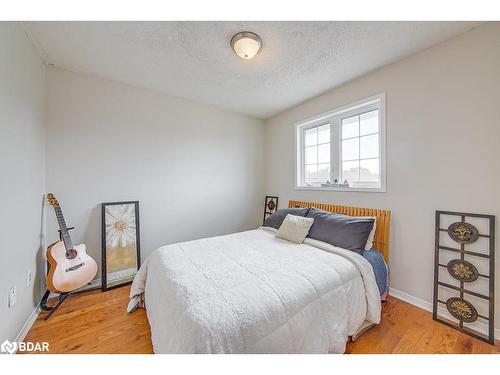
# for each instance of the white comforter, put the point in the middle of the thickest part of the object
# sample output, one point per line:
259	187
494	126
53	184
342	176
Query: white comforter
251	292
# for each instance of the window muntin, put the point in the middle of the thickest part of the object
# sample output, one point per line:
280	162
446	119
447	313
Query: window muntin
317	154
343	146
360	147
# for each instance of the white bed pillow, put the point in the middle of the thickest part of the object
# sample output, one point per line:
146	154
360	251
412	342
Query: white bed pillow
371	236
295	228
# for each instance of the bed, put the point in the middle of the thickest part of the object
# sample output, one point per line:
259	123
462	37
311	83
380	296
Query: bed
251	292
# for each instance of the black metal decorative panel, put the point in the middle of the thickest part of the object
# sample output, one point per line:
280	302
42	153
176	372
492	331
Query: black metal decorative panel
465	273
270	206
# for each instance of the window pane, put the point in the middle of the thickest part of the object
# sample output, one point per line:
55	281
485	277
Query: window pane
350	171
350	149
323	172
369	146
343	146
311	137
311	154
370	170
311	173
324	134
369	122
350	127
324	153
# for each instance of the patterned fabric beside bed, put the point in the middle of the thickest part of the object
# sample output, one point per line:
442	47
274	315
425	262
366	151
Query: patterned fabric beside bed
380	269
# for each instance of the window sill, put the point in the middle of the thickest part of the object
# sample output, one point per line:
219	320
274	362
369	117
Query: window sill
345	189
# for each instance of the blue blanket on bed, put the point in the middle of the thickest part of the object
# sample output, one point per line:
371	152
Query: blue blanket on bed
380	269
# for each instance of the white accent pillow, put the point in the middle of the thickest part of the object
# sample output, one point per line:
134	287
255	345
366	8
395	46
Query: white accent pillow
371	236
295	228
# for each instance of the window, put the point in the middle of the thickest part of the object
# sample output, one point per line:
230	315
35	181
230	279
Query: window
344	149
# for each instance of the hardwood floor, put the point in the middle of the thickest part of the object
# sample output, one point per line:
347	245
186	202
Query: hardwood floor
94	322
97	322
407	329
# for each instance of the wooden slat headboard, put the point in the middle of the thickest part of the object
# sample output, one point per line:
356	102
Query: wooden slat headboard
383	219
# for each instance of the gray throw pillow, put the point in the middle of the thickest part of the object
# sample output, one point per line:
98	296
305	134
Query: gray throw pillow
343	231
275	220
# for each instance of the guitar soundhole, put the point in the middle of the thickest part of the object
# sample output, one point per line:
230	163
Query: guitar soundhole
71	253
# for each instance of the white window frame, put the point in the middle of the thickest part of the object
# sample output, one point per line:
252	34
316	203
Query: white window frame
334	118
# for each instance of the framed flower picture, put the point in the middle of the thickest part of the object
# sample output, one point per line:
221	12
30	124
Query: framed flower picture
120	243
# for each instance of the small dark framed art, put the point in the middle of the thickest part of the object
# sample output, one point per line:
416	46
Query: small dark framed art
120	243
270	206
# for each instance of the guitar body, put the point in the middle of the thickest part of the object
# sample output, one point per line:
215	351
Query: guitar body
69	273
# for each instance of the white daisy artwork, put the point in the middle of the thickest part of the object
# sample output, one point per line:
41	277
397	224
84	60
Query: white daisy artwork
120	243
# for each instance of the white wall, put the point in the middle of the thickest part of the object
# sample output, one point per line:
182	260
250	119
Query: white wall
22	181
196	170
443	137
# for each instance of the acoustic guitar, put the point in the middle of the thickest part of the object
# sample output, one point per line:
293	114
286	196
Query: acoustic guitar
70	267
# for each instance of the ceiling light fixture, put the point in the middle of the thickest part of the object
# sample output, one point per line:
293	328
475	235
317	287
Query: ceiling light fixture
246	44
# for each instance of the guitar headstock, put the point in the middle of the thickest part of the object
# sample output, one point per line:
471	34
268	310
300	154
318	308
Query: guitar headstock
52	200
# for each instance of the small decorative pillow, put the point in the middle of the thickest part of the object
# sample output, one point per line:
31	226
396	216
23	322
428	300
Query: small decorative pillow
294	228
275	220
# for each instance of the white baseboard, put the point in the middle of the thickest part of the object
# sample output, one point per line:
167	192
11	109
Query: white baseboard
410	299
93	284
479	326
27	326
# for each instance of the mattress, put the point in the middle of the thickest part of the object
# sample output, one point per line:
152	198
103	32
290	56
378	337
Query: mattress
251	292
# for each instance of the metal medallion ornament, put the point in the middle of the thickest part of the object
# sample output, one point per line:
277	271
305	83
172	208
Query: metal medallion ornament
463	232
462	270
461	309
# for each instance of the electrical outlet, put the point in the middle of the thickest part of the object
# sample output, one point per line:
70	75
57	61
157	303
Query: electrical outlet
12	296
30	277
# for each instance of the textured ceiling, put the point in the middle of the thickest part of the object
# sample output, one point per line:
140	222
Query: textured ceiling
193	60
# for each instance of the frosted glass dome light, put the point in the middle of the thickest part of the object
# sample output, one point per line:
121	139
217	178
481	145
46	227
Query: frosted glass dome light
246	44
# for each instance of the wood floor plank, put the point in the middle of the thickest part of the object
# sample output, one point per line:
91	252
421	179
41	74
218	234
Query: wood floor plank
96	322
411	330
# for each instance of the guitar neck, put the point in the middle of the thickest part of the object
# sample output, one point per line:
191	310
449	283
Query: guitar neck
64	229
